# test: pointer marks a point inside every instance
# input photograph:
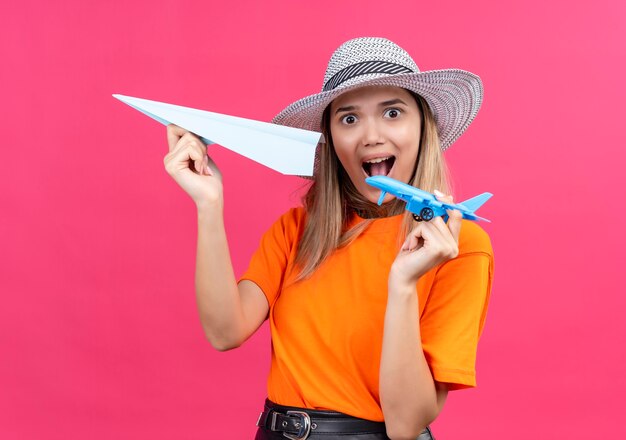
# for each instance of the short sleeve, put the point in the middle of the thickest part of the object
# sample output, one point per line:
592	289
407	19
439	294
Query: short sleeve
270	261
454	315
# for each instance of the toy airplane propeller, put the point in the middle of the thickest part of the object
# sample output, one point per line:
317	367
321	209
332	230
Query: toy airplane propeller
287	150
423	204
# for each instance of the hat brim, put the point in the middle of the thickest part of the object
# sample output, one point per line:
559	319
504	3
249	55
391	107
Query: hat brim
454	96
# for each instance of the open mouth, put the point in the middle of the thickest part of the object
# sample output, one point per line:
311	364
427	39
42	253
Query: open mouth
379	167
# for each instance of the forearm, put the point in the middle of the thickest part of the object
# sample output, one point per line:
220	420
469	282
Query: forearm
407	389
217	294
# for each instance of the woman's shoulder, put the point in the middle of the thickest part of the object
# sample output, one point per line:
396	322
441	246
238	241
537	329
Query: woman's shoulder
473	238
289	223
293	217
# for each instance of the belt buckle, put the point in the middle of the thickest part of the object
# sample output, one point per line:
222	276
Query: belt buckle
304	426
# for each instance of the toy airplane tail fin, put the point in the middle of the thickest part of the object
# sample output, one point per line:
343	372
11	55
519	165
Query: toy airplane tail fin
476	202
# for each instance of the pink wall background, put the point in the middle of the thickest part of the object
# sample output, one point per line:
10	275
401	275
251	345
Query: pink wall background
99	336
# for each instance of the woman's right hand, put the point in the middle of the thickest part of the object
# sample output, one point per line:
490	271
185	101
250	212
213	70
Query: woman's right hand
189	165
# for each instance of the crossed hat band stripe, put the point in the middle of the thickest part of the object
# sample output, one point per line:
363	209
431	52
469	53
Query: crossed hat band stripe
364	68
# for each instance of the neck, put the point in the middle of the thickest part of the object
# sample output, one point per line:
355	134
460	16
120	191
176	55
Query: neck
373	211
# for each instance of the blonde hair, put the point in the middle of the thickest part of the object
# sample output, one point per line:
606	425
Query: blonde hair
332	200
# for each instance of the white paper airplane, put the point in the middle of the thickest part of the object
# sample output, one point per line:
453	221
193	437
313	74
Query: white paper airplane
287	150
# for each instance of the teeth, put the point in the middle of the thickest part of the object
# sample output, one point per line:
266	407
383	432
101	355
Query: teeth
379	160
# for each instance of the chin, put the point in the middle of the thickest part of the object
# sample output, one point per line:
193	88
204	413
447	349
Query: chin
372	195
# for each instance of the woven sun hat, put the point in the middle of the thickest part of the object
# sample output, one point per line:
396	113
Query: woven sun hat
454	95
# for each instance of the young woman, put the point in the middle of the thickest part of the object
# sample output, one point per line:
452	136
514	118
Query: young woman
374	317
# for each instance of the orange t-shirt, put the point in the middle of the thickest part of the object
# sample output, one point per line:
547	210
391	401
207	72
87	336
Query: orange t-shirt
327	330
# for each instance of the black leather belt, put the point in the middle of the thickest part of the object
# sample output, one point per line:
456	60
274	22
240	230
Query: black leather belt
299	423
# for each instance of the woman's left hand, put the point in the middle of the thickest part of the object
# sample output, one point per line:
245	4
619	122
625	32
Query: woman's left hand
427	245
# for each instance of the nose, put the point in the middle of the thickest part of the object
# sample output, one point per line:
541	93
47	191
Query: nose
372	134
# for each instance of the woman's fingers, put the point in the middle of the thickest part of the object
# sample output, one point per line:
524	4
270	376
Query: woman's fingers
186	148
454	223
449	241
212	167
178	139
186	152
191	148
412	241
174	133
451	230
426	234
205	166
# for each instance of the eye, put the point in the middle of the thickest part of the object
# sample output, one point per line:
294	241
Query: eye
348	119
392	113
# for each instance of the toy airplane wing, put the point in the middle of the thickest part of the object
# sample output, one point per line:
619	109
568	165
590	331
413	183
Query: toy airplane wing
287	150
399	189
475	217
401	195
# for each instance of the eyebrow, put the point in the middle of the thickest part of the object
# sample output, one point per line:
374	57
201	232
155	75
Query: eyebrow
350	108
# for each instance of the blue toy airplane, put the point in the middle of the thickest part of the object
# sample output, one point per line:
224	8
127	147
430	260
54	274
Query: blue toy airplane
425	205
